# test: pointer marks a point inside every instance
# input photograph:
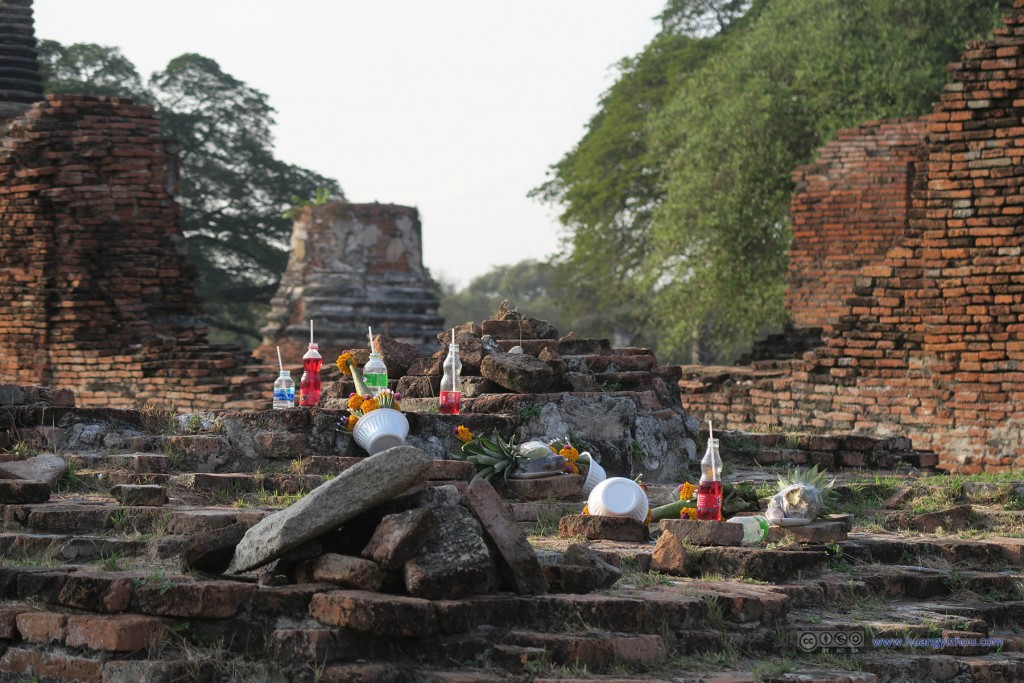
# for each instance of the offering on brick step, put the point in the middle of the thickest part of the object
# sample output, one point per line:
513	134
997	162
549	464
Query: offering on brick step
375	373
451	382
801	497
709	488
284	386
310	384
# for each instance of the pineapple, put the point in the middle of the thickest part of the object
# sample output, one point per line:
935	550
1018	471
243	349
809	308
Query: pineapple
491	456
802	495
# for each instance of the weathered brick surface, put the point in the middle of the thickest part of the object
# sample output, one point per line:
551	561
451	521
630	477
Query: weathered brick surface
928	344
209	599
375	613
91	263
42	627
118	633
54	666
848	209
373	253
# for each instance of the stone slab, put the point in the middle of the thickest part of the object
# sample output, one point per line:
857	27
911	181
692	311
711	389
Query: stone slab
399	537
358	489
17	491
347	571
142	495
699	532
43	467
815	532
559	486
508	537
593	527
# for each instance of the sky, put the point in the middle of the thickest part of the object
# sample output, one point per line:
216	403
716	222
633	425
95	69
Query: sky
456	107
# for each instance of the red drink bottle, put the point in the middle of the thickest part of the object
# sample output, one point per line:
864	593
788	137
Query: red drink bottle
310	384
709	488
451	381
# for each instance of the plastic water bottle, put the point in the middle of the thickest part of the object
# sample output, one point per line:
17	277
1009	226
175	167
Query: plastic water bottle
375	374
709	488
755	528
284	391
451	381
310	384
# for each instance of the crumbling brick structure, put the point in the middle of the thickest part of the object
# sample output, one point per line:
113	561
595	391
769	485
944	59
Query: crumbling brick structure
353	266
96	291
848	209
931	345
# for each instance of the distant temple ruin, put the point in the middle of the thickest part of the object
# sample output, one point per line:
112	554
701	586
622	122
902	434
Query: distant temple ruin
353	266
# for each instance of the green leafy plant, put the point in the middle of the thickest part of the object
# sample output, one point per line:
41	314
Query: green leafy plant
22	450
490	455
321	197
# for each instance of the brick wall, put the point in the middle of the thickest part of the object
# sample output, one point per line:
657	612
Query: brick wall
848	208
931	344
96	293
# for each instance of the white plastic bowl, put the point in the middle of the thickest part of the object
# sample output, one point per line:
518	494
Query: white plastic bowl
595	475
618	497
380	430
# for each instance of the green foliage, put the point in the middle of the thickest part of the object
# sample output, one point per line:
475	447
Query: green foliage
90	69
678	194
233	191
322	196
491	456
22	450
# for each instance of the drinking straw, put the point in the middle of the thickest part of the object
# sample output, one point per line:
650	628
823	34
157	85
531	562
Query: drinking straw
369	333
311	331
452	342
279	363
711	430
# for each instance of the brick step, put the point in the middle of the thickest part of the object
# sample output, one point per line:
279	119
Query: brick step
96	517
917	582
26	547
837	452
885	549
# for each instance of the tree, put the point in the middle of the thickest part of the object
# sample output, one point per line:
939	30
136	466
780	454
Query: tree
233	191
725	126
89	69
611	182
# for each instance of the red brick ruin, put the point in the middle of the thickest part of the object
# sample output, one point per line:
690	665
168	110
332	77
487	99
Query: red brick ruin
98	291
907	253
928	339
353	266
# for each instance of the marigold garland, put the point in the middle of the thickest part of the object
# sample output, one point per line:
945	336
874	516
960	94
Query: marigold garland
686	491
463	434
690	513
354	401
343	363
569	453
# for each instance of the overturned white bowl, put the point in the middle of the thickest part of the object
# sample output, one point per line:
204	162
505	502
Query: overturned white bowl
618	497
380	430
595	474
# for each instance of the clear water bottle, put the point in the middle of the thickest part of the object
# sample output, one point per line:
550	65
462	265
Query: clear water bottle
451	382
755	528
284	391
375	374
310	384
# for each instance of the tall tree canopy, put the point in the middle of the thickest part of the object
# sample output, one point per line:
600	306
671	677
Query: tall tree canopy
233	190
680	186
